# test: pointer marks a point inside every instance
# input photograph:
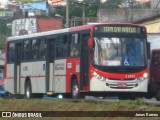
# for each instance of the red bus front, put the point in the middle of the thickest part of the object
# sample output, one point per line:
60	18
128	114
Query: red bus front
118	59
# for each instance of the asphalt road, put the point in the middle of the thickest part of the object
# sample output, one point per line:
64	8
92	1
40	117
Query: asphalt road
152	101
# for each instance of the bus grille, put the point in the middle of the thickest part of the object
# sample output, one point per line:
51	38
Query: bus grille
122	85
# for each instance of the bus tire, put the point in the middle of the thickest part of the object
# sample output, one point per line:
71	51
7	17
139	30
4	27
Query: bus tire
28	90
150	94
75	90
158	95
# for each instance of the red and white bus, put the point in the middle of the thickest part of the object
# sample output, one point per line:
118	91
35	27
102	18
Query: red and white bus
96	59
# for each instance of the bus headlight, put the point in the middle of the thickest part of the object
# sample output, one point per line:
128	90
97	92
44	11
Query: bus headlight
140	79
144	77
101	78
94	73
98	76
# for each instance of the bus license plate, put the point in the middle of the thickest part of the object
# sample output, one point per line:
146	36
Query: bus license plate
122	85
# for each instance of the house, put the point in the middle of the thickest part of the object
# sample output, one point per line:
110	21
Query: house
35	24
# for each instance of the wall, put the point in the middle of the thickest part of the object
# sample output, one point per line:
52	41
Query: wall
152	26
24	26
154	39
124	15
154	4
45	24
153	30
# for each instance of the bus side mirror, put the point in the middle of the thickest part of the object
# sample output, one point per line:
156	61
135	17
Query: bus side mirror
90	43
148	50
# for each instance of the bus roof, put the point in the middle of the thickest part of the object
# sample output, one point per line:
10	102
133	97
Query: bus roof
72	29
38	34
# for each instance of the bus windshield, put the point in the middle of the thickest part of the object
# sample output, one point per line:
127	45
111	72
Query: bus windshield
112	51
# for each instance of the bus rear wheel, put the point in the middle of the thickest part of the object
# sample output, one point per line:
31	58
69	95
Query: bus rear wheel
75	90
28	90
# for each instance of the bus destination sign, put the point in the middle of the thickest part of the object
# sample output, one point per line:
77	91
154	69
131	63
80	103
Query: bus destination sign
117	29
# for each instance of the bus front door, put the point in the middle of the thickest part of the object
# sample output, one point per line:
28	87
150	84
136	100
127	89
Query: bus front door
17	69
84	58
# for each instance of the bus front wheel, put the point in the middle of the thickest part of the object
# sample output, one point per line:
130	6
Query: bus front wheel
158	95
28	90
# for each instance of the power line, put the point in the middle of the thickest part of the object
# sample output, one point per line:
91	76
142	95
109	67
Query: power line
157	4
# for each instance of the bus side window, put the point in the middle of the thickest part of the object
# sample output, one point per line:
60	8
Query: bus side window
61	46
26	50
65	48
74	48
35	48
59	41
11	49
42	49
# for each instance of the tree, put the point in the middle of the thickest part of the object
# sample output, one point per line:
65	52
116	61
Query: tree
4	33
111	4
76	9
91	7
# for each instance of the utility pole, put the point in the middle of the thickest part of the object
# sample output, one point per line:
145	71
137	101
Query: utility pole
131	5
83	14
67	13
82	4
